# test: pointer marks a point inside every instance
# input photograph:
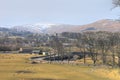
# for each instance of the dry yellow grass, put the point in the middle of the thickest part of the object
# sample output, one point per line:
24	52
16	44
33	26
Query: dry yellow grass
18	67
112	74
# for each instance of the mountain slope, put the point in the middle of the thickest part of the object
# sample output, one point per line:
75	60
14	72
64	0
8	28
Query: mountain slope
36	28
102	25
44	28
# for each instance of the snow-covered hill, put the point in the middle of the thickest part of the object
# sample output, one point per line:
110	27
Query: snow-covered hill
101	25
44	28
35	28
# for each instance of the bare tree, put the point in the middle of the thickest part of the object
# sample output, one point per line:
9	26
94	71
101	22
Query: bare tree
104	44
81	44
118	47
113	42
116	3
58	47
91	45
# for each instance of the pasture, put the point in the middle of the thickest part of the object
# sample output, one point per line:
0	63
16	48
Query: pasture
19	67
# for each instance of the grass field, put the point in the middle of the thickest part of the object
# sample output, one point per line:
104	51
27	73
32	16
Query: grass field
18	67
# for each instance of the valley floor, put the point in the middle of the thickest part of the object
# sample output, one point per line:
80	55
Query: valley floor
18	67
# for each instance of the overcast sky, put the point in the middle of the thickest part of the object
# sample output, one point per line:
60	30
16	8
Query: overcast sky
79	12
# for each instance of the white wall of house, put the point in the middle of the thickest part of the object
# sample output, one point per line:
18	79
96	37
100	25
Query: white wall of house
44	53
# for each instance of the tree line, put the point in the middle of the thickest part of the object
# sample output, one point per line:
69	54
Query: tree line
98	44
13	43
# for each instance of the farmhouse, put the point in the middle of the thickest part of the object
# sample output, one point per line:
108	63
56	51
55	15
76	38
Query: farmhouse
32	51
37	51
25	50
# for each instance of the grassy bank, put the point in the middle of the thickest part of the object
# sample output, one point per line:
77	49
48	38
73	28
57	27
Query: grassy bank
18	67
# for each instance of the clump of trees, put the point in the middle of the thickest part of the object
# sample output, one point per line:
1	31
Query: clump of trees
95	44
15	42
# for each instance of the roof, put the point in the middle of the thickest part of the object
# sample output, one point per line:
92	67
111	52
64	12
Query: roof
36	51
26	51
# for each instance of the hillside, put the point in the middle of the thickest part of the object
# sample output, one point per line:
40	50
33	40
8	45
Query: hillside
101	25
44	28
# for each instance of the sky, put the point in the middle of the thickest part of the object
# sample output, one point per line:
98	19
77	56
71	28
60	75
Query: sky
76	12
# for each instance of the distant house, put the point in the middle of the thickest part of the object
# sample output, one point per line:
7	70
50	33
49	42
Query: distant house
25	50
32	51
45	53
36	51
40	52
